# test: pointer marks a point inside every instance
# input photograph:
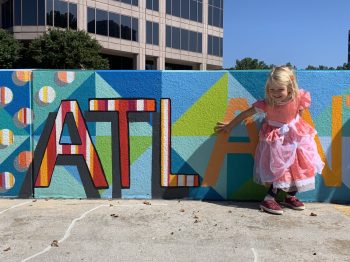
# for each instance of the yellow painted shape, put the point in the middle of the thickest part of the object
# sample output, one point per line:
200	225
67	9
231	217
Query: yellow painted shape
332	177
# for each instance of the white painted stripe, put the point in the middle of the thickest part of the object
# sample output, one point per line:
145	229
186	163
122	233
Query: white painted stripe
180	180
88	145
28	113
7	181
73	108
92	105
18	205
59	131
140	105
70	77
164	139
190	180
111	105
67	233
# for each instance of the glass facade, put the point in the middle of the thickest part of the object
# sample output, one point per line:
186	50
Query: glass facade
112	24
216	13
187	9
7	14
215	46
183	39
129	2
152	33
61	14
152	5
23	13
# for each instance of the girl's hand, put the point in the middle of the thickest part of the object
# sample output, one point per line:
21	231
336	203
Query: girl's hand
222	127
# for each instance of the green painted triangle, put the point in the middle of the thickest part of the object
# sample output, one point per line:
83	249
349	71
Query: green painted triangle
104	151
200	119
138	145
103	89
6	122
249	191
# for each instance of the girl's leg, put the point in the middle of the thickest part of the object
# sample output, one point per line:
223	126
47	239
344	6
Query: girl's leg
269	203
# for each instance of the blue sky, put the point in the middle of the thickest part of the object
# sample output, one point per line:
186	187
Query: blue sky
303	32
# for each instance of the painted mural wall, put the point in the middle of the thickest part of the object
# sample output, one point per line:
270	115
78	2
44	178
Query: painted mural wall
149	134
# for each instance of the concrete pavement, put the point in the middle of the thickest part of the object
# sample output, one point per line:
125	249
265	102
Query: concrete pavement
160	230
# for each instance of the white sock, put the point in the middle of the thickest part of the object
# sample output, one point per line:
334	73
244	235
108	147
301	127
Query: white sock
268	197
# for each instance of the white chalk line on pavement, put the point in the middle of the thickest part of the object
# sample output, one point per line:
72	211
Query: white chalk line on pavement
18	205
67	234
255	255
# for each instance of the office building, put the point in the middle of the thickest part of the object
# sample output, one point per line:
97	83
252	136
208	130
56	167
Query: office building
134	34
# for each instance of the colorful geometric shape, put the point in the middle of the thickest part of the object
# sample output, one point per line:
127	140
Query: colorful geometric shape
6	96
7	181
6	138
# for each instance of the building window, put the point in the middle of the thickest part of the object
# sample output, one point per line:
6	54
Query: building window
152	5
129	2
7	14
23	12
126	27
187	9
61	14
215	46
216	13
152	33
112	24
101	22
183	39
91	20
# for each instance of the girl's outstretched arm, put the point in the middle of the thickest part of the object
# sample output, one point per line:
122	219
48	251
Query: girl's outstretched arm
227	127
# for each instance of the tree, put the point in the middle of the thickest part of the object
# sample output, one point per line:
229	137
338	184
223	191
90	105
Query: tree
66	49
10	50
250	63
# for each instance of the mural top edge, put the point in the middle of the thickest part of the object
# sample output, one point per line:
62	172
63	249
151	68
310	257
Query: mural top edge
169	71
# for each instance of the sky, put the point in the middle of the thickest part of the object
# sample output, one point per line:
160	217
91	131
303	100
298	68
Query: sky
302	32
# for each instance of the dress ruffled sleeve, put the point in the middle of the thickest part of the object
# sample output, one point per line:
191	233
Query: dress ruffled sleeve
260	106
304	99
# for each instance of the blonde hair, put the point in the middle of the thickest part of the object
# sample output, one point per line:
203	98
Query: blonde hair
281	75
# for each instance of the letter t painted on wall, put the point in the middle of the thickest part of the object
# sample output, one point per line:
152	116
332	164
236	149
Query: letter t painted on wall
123	106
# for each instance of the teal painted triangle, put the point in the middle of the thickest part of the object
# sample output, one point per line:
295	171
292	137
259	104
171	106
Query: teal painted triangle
237	90
103	89
6	122
7	151
63	185
85	79
196	152
205	193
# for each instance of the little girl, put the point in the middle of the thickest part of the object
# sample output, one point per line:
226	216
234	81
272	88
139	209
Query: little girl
286	157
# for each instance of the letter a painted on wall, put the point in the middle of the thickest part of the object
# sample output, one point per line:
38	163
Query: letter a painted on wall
85	148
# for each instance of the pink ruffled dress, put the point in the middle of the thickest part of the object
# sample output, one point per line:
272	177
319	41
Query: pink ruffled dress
286	155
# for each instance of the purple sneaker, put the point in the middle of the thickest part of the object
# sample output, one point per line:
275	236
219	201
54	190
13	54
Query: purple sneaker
293	203
271	206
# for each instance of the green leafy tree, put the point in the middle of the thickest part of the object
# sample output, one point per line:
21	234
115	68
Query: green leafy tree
66	49
250	63
10	50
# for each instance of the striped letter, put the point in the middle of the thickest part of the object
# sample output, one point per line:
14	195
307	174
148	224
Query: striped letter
85	148
167	178
123	106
